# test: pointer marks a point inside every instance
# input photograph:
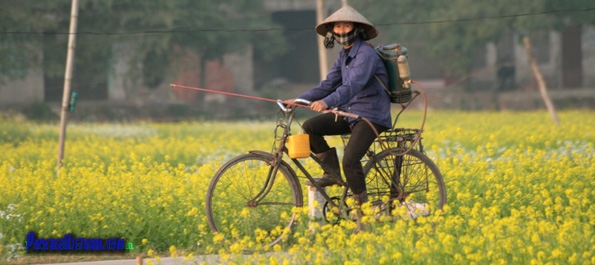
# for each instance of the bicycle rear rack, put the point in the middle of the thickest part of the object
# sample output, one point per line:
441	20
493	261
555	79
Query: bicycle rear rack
397	137
392	138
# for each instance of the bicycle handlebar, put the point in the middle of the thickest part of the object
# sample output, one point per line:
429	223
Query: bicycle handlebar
299	102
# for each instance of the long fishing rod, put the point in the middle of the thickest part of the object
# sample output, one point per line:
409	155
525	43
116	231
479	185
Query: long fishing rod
232	94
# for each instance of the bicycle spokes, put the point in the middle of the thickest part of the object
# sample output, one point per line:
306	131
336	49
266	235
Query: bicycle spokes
248	198
410	182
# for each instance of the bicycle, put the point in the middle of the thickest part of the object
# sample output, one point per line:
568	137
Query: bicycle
255	194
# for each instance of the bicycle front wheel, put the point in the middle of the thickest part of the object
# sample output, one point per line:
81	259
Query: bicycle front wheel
249	197
411	182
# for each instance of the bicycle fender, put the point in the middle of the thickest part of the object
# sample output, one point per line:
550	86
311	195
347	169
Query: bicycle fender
261	153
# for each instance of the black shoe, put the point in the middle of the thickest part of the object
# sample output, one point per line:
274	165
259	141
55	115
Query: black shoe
331	160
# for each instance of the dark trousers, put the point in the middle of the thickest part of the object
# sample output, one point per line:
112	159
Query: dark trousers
362	136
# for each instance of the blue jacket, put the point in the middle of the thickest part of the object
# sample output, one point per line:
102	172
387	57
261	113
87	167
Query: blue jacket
351	86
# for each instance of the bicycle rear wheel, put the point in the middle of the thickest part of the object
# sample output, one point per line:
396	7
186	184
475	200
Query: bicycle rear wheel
248	197
411	182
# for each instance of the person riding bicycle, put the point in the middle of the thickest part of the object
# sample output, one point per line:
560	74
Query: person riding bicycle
350	86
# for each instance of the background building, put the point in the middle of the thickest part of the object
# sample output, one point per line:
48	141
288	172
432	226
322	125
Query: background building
500	76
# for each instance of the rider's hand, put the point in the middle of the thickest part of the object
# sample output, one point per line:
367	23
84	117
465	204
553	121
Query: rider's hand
319	106
289	102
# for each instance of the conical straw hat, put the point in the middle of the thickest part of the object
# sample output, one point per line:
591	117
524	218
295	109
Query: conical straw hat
347	13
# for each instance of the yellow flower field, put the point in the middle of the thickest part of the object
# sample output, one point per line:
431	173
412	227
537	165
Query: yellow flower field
520	190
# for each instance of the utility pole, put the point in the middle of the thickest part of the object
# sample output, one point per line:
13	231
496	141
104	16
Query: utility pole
322	56
67	79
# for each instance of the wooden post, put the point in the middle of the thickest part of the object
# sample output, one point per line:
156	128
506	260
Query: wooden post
67	80
540	81
322	56
315	204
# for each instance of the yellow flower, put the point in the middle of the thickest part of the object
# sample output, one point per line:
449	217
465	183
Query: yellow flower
173	251
516	188
218	238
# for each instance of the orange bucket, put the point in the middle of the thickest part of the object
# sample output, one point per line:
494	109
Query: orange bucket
298	146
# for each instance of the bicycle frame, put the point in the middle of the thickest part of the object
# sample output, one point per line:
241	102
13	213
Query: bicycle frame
278	157
279	151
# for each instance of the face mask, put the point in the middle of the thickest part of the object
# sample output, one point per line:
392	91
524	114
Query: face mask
347	38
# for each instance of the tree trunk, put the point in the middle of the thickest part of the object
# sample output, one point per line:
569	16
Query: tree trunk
540	81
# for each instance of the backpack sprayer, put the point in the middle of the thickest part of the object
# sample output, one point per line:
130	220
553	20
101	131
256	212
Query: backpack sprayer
394	57
395	60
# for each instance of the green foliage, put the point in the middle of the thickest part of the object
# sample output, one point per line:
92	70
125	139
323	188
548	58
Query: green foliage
39	112
449	30
454	30
573	12
16	58
149	29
